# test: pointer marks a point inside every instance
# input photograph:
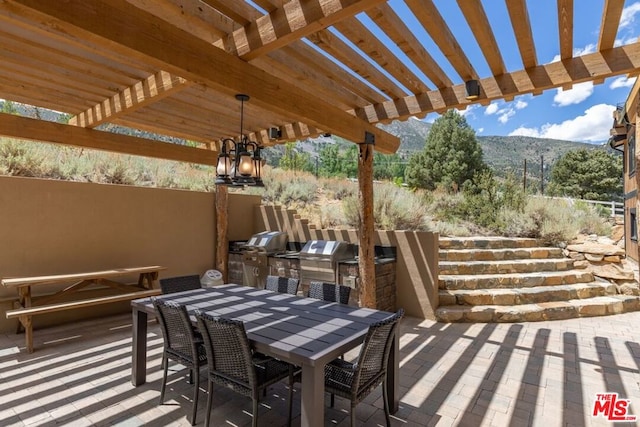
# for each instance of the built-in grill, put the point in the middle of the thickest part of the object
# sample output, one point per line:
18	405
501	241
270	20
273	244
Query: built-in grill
319	260
255	253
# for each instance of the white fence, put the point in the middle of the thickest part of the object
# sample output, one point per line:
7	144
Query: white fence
614	208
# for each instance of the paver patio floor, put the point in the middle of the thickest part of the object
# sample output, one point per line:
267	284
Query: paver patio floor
539	374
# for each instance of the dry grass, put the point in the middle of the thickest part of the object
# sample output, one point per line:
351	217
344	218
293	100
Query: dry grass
326	202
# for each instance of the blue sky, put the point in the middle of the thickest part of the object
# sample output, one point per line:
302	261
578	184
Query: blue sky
583	113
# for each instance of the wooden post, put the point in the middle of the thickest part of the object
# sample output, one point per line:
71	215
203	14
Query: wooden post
366	252
222	240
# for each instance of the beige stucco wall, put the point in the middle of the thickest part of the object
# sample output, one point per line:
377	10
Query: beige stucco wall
55	227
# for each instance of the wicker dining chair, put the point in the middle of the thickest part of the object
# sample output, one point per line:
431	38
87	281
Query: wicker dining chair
355	380
181	344
329	292
170	285
285	285
233	363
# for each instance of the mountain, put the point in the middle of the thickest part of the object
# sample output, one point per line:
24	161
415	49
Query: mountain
501	153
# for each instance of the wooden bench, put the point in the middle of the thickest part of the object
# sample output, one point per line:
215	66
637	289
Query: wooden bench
25	308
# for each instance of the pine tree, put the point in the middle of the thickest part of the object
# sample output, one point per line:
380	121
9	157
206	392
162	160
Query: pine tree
451	156
587	174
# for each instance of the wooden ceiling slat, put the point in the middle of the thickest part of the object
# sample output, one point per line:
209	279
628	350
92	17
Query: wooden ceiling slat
610	22
305	76
565	28
183	54
479	23
428	15
403	37
322	64
25	94
335	47
294	20
38	130
360	36
522	29
33	81
144	92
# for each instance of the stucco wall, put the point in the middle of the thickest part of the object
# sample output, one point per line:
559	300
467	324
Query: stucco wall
55	227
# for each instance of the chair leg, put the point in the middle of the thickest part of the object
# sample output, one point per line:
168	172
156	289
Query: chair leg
333	399
385	399
195	394
190	380
255	412
165	368
209	402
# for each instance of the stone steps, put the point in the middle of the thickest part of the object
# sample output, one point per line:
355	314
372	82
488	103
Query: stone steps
513	280
504	267
494	279
486	243
555	310
533	295
499	254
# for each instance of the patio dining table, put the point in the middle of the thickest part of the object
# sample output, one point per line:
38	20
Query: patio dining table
303	331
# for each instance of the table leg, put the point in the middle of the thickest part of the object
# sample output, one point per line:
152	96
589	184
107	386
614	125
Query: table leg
139	348
312	402
393	375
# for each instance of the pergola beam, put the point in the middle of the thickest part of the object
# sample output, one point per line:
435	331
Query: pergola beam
609	25
294	20
141	94
592	66
565	28
180	53
12	126
522	29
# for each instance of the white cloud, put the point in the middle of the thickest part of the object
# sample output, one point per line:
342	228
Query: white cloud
520	104
469	110
480	130
592	126
628	15
491	109
506	114
575	95
622	82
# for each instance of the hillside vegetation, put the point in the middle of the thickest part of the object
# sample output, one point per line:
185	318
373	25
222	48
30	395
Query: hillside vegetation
327	202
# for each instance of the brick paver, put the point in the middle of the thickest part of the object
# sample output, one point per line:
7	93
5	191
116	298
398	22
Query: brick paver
540	374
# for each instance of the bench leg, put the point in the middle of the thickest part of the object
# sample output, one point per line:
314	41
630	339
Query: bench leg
28	332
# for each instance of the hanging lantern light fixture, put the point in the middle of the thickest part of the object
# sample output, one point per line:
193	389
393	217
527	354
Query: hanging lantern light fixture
239	162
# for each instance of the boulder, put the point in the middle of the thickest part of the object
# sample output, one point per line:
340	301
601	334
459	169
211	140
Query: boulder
617	233
596	249
628	288
593	258
611	271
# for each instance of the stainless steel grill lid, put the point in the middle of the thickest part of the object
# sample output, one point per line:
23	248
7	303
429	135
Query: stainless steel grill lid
332	250
268	241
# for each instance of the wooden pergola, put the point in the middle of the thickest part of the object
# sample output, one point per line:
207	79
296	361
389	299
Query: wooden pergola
173	67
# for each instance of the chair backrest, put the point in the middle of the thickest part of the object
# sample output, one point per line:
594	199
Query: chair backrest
229	353
374	353
329	292
285	285
170	285
179	337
